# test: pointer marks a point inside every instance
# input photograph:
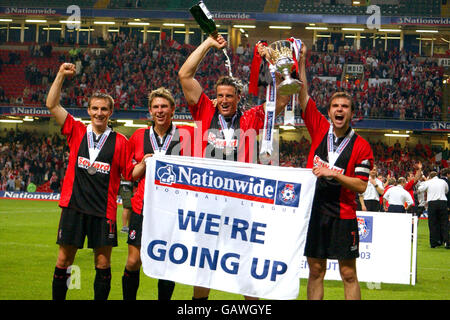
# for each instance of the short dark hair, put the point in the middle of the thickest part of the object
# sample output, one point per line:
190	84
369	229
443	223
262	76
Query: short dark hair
229	81
101	95
341	94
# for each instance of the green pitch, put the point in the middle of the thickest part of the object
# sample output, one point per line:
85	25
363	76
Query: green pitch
28	255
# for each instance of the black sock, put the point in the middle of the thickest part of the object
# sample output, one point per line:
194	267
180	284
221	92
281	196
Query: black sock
165	289
130	284
102	283
59	284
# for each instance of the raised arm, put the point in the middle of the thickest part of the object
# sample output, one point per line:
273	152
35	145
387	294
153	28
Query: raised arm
191	87
303	96
54	94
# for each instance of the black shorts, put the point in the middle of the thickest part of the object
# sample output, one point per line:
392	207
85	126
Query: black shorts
396	208
74	226
135	229
332	238
372	205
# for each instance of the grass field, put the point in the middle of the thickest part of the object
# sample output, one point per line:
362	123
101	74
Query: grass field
28	255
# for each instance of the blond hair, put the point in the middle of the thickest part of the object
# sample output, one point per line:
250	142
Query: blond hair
161	92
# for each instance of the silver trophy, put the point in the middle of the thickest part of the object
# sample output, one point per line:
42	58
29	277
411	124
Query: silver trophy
280	54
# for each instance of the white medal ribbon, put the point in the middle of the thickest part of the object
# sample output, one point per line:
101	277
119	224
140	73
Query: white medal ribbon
334	155
269	121
227	132
95	150
165	146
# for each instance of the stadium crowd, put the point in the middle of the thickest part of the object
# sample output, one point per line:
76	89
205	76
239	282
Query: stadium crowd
391	160
404	86
28	157
128	69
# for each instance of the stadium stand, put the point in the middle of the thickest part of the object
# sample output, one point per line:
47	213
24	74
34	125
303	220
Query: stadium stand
424	8
52	3
24	73
128	69
414	93
169	5
28	157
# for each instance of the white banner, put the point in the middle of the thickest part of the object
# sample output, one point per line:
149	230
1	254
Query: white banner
226	225
445	62
376	82
387	250
354	68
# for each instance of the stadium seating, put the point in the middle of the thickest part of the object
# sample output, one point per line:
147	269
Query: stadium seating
13	79
182	5
421	8
414	94
49	3
27	157
425	8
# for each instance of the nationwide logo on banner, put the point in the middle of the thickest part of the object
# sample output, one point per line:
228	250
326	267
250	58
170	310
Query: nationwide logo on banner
228	184
365	228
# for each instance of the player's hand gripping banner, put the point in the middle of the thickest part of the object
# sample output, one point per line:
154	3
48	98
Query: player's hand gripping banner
226	225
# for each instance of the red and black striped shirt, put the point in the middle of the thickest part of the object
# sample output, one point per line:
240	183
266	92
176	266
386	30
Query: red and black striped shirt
92	194
139	145
356	160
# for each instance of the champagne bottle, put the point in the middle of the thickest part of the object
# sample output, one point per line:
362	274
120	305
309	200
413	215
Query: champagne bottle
206	22
204	18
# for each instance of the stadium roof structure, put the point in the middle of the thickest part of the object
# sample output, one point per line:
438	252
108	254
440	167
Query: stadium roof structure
418	12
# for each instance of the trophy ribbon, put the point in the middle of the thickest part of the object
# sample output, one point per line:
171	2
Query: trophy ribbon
297	45
269	121
289	111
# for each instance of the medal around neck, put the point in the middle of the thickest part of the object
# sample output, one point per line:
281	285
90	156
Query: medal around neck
94	150
91	171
